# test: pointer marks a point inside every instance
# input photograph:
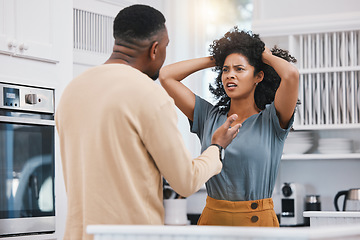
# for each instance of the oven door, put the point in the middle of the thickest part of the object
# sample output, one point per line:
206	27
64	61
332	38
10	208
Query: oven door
27	202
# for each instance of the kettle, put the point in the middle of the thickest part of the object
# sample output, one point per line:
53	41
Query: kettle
351	200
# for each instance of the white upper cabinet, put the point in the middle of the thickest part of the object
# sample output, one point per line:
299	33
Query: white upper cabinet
326	43
329	65
26	29
6	26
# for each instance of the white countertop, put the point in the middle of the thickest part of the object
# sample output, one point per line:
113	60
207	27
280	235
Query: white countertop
107	232
331	214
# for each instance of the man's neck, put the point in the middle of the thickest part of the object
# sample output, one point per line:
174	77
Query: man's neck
117	59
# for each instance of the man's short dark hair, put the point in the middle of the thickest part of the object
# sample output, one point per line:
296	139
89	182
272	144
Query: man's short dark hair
138	22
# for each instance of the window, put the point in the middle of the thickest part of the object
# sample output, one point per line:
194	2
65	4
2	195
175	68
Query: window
220	17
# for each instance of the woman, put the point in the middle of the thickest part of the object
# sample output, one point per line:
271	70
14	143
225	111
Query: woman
261	87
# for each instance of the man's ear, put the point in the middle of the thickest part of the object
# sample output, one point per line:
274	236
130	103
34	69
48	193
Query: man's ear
153	50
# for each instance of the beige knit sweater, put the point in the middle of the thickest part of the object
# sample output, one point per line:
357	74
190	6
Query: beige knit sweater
118	137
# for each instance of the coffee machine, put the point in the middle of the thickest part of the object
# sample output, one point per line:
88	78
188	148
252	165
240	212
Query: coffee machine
292	204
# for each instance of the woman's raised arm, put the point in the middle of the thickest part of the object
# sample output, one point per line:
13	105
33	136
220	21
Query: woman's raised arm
287	94
171	76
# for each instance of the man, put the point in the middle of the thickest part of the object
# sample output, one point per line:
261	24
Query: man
118	133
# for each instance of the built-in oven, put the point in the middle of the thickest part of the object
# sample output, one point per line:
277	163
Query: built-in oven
27	132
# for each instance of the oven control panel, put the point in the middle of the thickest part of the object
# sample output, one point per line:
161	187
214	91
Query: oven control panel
26	98
11	97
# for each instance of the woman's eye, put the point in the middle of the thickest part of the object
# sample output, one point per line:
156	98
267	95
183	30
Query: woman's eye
239	69
225	70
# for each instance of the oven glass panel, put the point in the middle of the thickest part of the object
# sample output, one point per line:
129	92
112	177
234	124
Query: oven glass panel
26	170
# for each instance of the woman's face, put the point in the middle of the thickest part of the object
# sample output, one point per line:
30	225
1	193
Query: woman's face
238	77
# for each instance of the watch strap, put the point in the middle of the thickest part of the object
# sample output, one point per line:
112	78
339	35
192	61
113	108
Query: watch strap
221	149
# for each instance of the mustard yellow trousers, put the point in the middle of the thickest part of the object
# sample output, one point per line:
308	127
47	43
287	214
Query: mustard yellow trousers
257	213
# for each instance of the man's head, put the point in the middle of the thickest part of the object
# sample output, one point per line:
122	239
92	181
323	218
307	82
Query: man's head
138	22
141	38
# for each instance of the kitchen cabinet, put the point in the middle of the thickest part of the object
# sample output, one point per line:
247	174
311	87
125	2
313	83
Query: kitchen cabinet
329	65
329	87
326	43
320	144
26	29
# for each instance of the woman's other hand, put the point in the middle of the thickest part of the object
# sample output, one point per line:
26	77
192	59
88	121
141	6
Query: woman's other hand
265	55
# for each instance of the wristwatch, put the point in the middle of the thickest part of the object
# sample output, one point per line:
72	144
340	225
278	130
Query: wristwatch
221	151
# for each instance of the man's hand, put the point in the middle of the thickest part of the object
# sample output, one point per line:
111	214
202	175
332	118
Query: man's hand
225	133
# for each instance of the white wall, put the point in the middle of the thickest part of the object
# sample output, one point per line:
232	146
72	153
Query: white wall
186	36
279	17
63	24
277	9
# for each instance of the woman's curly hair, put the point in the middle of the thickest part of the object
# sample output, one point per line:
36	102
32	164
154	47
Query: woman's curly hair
250	46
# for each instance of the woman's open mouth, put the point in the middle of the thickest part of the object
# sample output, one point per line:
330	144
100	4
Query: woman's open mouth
231	86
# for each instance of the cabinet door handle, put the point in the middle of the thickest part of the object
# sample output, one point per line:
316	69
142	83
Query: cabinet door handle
12	43
23	47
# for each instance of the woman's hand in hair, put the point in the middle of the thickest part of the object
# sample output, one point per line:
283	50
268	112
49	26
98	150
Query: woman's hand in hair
265	55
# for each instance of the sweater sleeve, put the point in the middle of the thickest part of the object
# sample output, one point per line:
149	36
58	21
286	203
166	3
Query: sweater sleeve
164	143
